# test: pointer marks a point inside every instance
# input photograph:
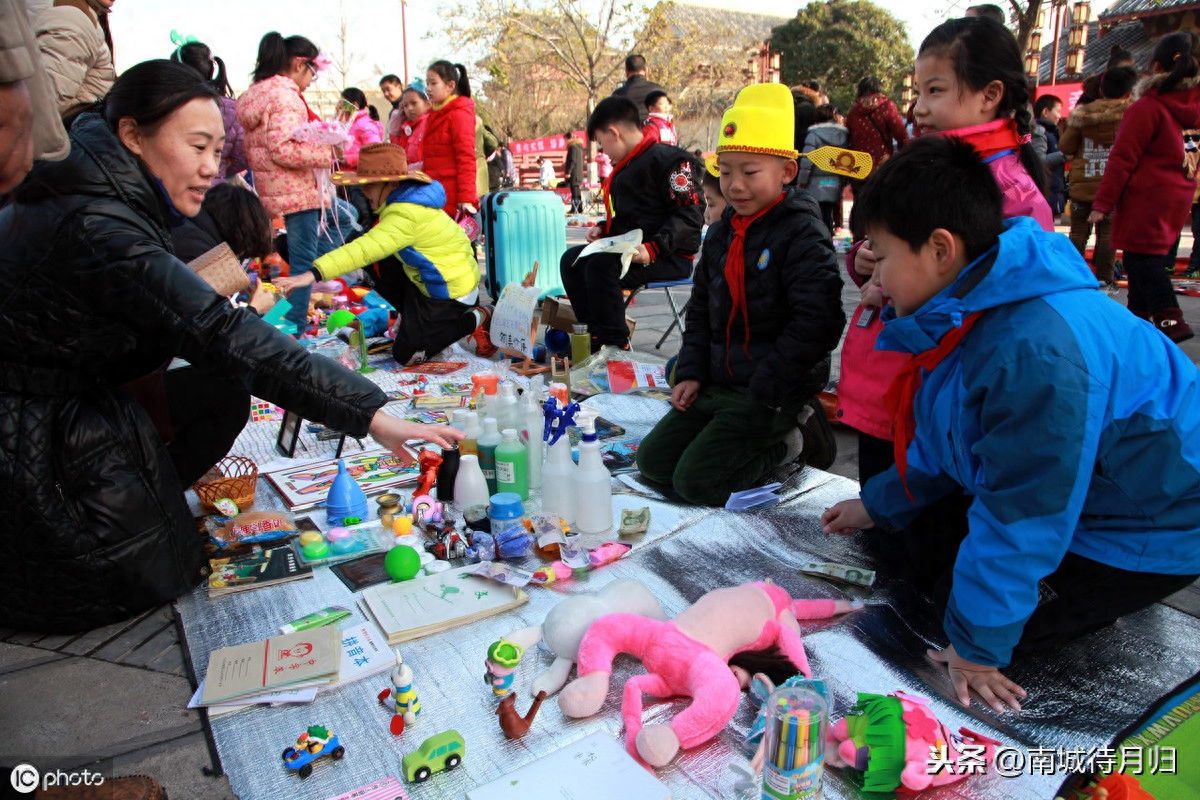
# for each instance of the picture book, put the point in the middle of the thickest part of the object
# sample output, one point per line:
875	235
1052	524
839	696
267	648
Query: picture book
275	663
594	768
620	456
386	789
376	471
362	572
253	570
604	430
435	367
626	375
436	603
365	652
295	694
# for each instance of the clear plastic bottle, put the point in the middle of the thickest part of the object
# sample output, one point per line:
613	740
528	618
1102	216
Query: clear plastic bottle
532	424
512	474
470	487
504	406
473	430
593	481
558	480
458	419
487	445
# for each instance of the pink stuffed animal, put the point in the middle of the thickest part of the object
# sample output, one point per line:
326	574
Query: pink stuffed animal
689	656
896	742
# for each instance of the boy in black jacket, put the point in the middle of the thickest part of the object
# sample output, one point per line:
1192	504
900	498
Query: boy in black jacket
765	313
654	187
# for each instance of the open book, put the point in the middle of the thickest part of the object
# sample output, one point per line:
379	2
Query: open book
435	603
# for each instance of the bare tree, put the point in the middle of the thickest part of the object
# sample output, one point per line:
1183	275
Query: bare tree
344	59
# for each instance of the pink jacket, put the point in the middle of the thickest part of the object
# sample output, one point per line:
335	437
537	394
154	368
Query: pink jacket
412	139
363	130
866	372
270	111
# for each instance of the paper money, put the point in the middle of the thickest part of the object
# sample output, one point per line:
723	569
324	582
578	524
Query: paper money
504	573
841	573
634	521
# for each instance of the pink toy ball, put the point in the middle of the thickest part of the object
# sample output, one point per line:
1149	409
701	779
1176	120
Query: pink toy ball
338	533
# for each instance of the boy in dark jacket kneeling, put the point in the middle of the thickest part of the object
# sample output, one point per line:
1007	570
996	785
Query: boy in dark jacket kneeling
765	313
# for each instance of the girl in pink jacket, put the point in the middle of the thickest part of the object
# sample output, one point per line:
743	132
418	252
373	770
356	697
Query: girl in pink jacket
274	115
363	130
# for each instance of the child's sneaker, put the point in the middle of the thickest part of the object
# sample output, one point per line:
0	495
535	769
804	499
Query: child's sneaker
483	339
1111	289
1170	321
820	445
793	446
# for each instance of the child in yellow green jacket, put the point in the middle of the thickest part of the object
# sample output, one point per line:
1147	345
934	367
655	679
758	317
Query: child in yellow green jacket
427	266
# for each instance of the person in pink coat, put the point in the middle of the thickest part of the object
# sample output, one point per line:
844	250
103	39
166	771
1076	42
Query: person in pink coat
449	156
283	155
353	111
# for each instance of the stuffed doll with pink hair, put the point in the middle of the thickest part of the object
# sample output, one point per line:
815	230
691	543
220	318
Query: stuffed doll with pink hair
898	744
691	656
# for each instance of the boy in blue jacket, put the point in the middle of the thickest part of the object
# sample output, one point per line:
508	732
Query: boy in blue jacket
1070	422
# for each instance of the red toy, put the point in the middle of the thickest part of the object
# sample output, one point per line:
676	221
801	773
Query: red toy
428	461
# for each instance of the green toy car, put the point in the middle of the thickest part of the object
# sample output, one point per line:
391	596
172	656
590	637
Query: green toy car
441	751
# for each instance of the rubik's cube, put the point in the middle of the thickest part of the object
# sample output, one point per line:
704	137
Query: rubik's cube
262	411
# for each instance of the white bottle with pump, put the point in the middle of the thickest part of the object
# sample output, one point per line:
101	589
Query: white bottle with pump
593	481
558	480
532	423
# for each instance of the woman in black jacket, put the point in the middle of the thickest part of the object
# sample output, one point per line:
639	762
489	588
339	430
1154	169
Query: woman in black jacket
95	526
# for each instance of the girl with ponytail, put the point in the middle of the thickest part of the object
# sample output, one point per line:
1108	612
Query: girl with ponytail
199	57
275	117
1147	186
970	82
449	146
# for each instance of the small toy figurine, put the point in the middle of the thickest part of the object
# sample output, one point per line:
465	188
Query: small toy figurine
316	742
513	724
403	695
444	750
428	461
426	510
503	657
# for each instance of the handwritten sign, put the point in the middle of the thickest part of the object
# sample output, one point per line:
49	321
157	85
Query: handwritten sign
512	321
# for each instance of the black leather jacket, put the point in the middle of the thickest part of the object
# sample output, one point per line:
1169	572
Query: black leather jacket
92	517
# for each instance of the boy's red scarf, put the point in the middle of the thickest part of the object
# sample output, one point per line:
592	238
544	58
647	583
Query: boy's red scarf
899	397
989	138
735	276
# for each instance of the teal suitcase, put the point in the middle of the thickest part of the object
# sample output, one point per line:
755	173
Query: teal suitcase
520	228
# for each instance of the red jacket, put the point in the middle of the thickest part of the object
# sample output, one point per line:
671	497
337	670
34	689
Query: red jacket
1144	183
873	122
450	151
866	372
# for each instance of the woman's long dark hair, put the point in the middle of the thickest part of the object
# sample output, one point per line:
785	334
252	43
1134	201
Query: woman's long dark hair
200	58
1178	55
151	91
983	51
453	73
275	54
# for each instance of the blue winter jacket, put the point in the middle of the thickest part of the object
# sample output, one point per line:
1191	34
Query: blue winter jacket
1074	424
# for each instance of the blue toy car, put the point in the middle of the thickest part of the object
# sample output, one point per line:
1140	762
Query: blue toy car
316	742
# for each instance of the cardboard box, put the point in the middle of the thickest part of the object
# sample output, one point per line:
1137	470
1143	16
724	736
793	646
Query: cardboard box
557	313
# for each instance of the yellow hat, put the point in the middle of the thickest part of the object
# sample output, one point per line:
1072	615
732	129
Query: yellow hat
762	120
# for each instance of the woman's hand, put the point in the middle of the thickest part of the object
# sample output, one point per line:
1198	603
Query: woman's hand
995	689
1096	216
467	208
290	284
685	394
393	432
846	517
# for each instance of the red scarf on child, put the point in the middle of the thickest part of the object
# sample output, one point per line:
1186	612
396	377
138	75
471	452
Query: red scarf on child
735	275
899	397
990	138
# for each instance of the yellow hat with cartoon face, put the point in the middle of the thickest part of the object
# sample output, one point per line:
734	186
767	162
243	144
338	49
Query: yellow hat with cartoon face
762	120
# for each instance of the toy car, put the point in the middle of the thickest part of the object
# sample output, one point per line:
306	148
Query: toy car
314	743
440	751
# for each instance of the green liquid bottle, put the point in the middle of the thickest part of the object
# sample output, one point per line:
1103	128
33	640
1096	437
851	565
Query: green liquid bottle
487	445
512	472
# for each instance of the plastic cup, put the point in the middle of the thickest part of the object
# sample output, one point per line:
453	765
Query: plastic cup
794	742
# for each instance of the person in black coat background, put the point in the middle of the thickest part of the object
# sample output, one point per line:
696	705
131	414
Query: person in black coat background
636	87
92	297
573	169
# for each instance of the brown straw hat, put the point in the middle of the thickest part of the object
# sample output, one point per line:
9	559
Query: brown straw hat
379	163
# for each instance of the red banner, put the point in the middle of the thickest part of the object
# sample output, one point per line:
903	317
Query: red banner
1067	92
546	144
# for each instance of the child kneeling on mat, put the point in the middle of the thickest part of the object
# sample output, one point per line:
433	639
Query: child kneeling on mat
765	313
1070	422
427	266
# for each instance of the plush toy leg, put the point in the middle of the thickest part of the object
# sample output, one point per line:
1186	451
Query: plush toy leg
526	637
583	696
657	745
554	678
631	714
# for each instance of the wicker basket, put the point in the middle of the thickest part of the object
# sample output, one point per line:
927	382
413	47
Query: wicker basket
221	270
235	477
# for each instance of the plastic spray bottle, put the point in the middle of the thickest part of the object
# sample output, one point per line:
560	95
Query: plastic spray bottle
593	482
558	474
469	446
487	444
512	474
531	428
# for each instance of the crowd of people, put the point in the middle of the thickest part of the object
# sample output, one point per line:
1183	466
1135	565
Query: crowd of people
1008	411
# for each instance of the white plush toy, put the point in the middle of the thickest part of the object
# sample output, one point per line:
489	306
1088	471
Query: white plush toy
567	622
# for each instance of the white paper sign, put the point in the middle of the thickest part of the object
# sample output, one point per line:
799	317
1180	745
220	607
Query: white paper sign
626	245
512	321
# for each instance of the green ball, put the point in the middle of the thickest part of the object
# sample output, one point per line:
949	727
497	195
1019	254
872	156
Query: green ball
402	563
339	319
